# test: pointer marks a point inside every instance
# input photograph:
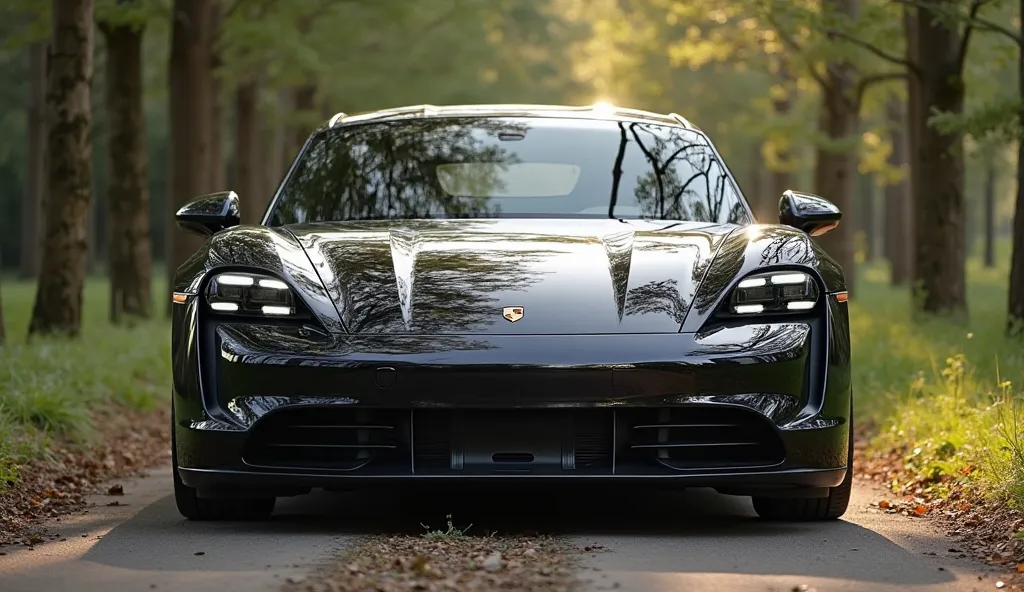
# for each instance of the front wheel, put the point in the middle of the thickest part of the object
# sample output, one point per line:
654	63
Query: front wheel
792	509
193	507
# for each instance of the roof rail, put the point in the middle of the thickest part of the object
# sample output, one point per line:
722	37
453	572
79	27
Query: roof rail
337	117
681	119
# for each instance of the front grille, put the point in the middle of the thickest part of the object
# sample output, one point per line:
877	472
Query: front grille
330	439
701	437
620	441
512	441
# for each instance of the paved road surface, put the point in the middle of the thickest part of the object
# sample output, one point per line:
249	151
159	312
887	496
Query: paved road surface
649	542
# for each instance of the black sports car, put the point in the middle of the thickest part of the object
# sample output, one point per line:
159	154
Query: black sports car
510	293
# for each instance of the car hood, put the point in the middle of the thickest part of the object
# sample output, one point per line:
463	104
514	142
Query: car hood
560	276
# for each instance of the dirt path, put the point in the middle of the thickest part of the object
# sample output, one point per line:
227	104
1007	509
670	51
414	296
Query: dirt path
643	541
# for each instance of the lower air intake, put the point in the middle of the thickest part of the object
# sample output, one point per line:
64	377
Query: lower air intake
701	437
330	439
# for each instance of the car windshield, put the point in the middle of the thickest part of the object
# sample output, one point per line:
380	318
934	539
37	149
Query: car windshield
473	167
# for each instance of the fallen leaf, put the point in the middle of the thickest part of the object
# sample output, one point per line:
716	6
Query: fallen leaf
884	504
920	510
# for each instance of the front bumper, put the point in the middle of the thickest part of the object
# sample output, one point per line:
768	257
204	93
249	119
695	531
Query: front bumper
747	409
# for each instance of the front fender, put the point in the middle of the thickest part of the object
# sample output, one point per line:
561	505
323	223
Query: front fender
751	248
260	248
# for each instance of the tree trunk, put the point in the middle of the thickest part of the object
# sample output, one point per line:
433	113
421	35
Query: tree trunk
35	186
277	157
3	334
756	194
782	176
218	165
305	109
866	219
898	206
129	249
191	116
1015	320
834	169
989	195
939	256
247	152
58	305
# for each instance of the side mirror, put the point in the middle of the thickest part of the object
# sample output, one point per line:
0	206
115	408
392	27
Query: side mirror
210	213
810	213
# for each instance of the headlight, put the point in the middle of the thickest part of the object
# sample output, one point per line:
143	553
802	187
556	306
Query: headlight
250	294
774	292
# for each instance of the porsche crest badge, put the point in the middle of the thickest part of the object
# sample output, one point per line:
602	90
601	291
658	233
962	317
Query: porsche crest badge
512	313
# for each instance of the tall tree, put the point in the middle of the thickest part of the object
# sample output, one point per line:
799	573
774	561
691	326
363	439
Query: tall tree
58	305
843	82
1015	313
218	165
3	334
129	248
35	186
191	88
755	184
781	175
939	215
249	174
1004	115
305	115
988	191
836	164
898	209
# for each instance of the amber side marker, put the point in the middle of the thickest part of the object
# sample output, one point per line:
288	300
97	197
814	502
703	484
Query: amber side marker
179	297
842	296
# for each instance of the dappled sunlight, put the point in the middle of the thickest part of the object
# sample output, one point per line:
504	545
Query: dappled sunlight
948	395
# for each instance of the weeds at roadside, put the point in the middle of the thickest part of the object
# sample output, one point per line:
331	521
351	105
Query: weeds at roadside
450	533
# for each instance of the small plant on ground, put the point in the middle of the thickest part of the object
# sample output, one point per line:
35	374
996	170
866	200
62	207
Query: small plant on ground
452	532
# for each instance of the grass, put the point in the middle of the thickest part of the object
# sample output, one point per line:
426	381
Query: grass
948	395
51	388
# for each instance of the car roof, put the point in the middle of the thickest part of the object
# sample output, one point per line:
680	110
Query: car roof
602	111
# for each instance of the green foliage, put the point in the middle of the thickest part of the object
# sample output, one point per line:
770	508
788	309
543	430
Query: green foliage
131	13
50	388
24	22
998	117
946	395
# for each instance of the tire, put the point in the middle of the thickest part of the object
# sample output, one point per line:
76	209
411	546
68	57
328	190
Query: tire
193	507
796	509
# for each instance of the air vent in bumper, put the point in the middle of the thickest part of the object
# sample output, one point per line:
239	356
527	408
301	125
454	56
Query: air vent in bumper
701	437
446	442
342	439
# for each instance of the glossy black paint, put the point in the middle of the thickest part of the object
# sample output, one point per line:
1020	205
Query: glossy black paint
619	315
210	213
813	214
